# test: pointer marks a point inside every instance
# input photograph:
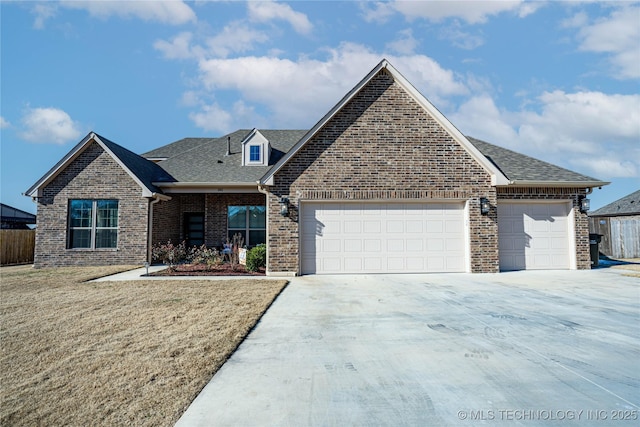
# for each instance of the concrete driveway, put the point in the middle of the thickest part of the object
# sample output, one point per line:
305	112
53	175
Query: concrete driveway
523	348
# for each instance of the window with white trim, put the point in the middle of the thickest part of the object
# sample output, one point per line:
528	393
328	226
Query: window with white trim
93	224
249	221
254	154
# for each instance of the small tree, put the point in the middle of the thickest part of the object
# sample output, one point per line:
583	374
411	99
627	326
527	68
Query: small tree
235	244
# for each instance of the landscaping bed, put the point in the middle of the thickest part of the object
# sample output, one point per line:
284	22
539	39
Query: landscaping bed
204	270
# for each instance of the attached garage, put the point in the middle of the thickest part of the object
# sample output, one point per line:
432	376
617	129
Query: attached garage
535	235
352	237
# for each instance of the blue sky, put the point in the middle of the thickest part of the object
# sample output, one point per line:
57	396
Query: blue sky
558	81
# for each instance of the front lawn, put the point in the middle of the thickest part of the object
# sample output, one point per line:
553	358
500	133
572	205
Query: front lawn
115	353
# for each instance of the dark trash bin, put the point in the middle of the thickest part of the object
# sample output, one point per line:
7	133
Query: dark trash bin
594	241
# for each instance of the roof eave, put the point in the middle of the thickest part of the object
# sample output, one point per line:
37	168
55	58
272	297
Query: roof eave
207	187
556	184
35	190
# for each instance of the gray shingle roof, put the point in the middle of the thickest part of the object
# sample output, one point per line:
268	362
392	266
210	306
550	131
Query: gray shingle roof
145	170
205	159
518	167
201	160
628	205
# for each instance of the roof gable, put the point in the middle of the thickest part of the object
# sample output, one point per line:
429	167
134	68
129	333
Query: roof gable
144	172
628	205
497	177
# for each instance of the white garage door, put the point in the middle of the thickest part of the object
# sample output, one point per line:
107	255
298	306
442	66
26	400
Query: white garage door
382	238
533	236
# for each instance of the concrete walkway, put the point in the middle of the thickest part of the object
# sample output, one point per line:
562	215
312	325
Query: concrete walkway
525	348
140	274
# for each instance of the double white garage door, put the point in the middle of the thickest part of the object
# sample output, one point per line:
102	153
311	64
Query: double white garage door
382	238
355	237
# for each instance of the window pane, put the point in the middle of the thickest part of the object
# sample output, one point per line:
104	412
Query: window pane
80	213
254	153
107	213
257	216
106	238
79	238
237	217
256	237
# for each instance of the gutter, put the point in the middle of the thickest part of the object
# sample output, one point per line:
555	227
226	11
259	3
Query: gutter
556	184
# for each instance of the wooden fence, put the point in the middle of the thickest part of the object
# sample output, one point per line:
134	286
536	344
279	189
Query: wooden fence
17	246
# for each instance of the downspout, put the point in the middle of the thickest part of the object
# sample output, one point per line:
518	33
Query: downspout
150	228
261	188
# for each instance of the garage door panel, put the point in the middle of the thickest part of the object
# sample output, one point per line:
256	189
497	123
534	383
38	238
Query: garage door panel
372	245
372	226
533	235
382	237
394	226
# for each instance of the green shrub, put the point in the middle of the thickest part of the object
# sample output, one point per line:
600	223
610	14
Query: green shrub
256	258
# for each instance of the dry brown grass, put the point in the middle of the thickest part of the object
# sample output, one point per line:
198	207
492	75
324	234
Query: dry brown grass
115	353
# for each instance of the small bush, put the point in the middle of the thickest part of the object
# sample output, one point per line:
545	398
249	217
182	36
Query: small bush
205	256
257	257
170	254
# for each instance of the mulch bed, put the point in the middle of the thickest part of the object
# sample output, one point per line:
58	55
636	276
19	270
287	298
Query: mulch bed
203	270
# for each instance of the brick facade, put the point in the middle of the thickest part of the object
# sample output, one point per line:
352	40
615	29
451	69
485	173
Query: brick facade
93	175
382	145
168	217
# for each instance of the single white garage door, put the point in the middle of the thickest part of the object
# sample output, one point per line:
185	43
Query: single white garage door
382	237
533	236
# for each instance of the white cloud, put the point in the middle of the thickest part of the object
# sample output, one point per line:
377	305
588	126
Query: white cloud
235	37
265	11
42	11
4	123
298	93
173	12
49	125
178	48
617	35
592	132
215	118
472	12
405	44
460	38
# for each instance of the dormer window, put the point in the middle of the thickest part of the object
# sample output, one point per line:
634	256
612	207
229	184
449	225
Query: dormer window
255	149
254	154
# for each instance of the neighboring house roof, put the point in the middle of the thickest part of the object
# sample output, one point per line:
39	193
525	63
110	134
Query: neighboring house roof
628	205
528	171
205	160
9	214
144	172
497	177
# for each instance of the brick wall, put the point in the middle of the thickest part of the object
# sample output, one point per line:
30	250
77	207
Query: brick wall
93	175
168	217
583	258
381	146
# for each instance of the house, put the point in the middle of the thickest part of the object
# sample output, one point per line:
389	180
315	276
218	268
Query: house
15	219
382	183
619	225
